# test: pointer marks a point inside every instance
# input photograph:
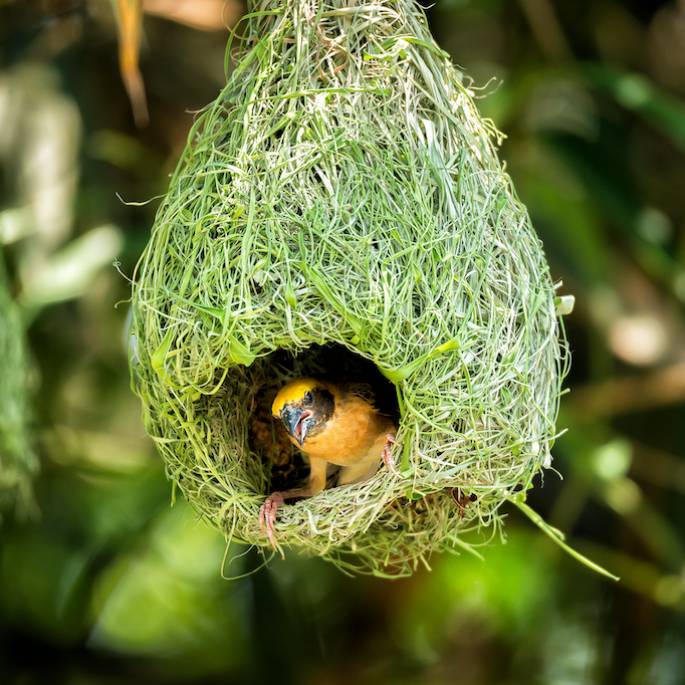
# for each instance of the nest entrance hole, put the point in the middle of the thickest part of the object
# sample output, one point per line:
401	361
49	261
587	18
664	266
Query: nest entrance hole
284	465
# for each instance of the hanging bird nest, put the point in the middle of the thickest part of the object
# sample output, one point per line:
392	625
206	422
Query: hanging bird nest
17	461
342	190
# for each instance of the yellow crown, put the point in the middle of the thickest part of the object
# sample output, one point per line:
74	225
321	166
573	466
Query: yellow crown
293	391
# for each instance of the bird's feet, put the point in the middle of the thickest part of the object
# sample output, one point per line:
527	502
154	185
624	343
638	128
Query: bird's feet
388	459
267	515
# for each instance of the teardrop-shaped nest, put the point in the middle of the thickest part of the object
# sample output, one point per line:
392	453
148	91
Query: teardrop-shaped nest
17	460
343	190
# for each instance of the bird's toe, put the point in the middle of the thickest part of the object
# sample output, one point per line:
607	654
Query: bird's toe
388	458
267	515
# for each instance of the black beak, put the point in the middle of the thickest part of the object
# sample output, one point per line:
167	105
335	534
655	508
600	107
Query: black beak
294	420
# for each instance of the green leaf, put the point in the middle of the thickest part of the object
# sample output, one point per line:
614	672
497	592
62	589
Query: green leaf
564	304
159	355
240	354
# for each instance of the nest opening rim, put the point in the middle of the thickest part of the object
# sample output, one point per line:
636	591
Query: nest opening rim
330	362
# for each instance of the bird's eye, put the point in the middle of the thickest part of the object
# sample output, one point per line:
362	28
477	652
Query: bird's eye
308	397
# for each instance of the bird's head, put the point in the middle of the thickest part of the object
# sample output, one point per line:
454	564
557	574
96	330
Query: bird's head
303	405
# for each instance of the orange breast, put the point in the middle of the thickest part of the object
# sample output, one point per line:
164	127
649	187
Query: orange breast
349	434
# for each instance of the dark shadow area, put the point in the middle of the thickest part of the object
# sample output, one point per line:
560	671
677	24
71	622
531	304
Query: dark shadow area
336	364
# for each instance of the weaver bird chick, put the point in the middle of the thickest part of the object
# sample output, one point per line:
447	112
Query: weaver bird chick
331	425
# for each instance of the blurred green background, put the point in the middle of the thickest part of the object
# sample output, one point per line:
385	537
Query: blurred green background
109	584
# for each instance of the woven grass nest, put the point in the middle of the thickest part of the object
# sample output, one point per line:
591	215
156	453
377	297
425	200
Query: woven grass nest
17	460
340	205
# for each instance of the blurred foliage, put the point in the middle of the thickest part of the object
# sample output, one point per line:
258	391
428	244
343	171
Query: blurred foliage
17	460
110	584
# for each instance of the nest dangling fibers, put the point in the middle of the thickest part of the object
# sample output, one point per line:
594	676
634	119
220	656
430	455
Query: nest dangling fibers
17	460
343	190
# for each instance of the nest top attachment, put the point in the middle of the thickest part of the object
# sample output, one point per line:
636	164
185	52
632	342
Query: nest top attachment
343	189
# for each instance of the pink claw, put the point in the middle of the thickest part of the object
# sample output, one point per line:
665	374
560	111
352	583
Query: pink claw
267	515
388	459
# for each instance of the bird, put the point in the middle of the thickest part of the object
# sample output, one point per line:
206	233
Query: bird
331	424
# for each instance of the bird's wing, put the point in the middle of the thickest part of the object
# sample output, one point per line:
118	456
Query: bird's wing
365	467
